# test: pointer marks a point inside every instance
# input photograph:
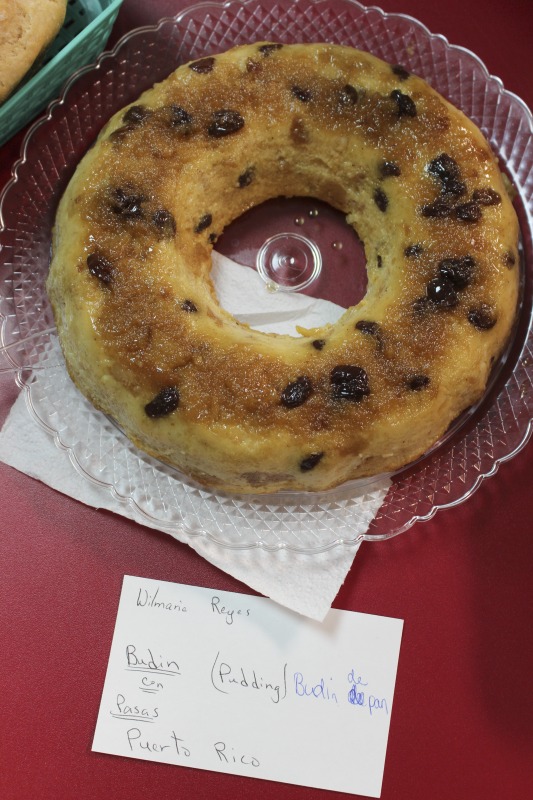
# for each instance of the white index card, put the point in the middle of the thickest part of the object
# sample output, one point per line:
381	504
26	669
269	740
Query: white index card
235	683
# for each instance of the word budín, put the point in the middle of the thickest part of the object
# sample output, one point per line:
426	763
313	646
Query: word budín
319	690
136	661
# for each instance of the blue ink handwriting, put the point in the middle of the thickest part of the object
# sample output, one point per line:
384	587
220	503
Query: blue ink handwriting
358	697
320	690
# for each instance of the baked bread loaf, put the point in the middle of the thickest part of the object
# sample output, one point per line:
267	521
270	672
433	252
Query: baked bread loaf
27	27
142	331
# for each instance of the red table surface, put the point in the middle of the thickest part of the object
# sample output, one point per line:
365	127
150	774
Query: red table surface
462	723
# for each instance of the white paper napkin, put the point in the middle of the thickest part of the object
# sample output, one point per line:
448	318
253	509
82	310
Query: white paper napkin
242	292
304	583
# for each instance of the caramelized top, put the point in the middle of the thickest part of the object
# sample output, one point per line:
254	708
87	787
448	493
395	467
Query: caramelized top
413	176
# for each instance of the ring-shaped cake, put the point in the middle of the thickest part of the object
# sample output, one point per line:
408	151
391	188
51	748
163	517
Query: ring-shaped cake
145	338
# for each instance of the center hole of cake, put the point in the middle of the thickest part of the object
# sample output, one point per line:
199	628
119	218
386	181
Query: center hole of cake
299	246
288	262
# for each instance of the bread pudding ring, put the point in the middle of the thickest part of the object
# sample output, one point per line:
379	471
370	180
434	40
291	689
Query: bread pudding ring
145	338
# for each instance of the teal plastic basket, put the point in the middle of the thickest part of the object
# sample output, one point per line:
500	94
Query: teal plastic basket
83	36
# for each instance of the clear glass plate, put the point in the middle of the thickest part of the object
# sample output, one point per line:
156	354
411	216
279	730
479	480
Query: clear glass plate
485	437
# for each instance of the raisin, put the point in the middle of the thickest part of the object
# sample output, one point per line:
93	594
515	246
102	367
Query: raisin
348	96
381	199
304	95
165	223
268	49
444	167
203	223
405	104
413	251
371	328
189	307
417	382
136	114
439	209
379	262
318	344
203	65
509	259
400	72
468	212
297	392
454	187
459	271
389	169
442	293
446	170
165	402
310	462
225	122
349	382
100	268
486	197
483	318
246	178
126	205
179	117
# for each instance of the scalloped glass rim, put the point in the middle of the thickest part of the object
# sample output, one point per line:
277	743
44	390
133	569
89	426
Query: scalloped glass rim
491	434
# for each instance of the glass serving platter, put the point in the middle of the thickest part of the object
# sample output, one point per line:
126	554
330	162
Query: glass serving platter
158	495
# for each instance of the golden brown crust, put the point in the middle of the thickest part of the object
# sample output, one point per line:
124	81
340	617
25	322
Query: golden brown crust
145	338
27	27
